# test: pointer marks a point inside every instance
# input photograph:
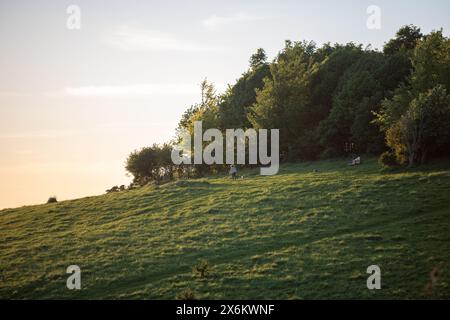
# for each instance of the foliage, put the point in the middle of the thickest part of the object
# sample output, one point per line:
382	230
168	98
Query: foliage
258	59
357	95
187	294
283	102
415	119
388	159
405	39
323	99
52	200
150	164
236	102
423	128
201	269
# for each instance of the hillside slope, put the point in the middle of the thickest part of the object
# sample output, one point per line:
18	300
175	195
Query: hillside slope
299	234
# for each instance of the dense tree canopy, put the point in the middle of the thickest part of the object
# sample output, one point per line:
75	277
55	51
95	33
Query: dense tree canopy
405	39
334	100
415	118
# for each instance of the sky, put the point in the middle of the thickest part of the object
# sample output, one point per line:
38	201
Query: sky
75	102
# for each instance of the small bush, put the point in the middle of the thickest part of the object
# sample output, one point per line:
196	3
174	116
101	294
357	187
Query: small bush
52	200
134	185
388	160
113	189
187	294
201	269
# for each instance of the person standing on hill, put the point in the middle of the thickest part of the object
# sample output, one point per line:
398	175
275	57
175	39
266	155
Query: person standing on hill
233	172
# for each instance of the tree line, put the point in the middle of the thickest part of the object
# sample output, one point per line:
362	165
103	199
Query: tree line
329	101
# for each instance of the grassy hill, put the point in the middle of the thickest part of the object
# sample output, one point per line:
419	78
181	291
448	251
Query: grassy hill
298	235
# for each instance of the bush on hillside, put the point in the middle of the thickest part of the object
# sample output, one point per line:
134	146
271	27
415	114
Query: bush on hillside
201	269
187	294
388	160
52	200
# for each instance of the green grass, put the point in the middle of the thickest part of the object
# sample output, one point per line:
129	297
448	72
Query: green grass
297	235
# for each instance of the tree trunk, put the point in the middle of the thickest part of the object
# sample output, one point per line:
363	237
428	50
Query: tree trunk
423	157
411	157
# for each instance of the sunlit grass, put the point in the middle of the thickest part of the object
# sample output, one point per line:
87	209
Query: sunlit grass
298	235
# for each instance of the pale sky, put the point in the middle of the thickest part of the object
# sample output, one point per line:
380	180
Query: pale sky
75	103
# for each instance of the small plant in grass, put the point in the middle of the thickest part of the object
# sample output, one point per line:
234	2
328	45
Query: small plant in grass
187	294
201	269
430	288
388	160
52	200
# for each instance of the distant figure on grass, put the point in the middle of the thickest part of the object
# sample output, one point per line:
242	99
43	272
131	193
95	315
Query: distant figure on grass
233	172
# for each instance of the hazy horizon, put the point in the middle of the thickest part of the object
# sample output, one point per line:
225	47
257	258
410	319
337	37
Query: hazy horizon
75	103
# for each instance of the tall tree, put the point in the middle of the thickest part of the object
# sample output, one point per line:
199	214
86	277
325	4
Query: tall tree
407	118
258	59
406	38
282	103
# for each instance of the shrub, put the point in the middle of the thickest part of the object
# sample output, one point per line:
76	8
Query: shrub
187	294
388	160
151	163
113	189
201	269
52	200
